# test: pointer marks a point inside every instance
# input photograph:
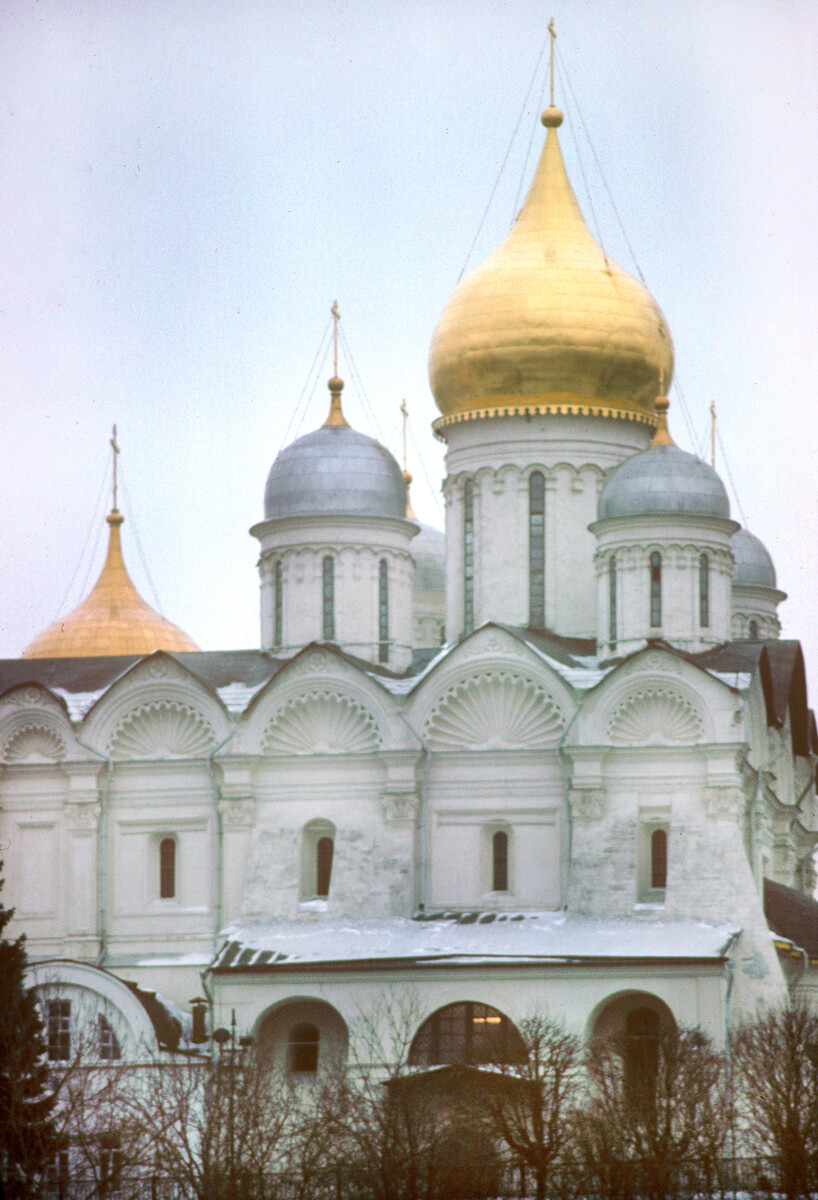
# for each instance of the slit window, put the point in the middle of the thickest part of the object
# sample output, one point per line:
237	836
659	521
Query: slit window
704	591
328	599
658	859
612	601
278	604
499	861
655	590
754	631
536	551
167	869
383	611
58	1029
302	1056
468	556
323	865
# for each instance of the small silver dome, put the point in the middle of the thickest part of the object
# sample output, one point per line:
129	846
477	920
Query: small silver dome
429	552
334	471
753	566
663	481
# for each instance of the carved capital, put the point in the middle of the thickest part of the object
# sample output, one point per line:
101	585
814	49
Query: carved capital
83	817
399	806
586	805
238	813
724	803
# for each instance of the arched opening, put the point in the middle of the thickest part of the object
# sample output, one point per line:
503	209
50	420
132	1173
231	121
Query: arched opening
302	1038
612	621
609	1020
466	1033
167	868
383	611
499	861
468	556
640	1053
753	631
536	550
658	859
328	599
655	590
317	852
704	591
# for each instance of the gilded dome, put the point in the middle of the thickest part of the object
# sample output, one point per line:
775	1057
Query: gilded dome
549	323
113	619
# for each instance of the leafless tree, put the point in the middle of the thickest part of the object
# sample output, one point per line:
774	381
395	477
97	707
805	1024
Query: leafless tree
532	1113
657	1118
777	1095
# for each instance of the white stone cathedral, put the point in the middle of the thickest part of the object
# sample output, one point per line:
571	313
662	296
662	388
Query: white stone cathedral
559	762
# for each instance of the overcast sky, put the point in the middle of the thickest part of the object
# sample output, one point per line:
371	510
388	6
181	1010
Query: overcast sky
185	188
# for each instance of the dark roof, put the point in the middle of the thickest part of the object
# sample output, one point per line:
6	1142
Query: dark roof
215	668
792	915
168	1029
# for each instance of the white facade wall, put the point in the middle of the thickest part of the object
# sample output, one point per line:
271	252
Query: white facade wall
758	605
499	455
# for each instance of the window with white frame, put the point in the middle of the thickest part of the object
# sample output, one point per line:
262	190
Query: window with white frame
58	1029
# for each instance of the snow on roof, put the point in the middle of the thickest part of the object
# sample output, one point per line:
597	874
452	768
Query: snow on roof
78	703
236	696
740	680
469	937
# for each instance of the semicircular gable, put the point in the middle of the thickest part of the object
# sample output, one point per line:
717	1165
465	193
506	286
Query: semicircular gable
494	710
162	729
321	721
34	727
157	710
655	714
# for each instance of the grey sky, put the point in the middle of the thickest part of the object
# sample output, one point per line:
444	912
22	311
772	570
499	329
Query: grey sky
186	187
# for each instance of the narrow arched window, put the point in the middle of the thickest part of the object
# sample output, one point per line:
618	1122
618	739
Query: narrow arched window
383	611
612	601
468	556
655	590
704	591
167	869
302	1049
658	859
499	861
328	598
753	631
278	604
536	551
323	865
108	1042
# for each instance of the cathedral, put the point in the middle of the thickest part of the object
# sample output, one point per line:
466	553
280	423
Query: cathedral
556	761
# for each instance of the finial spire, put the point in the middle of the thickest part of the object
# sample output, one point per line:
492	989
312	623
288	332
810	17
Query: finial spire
661	436
552	31
115	455
407	478
552	116
335	417
713	434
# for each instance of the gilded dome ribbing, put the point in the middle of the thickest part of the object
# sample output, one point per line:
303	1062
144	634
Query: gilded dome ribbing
113	619
549	323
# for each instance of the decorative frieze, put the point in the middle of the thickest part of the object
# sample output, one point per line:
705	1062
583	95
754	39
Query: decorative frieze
238	813
495	710
83	817
586	805
724	803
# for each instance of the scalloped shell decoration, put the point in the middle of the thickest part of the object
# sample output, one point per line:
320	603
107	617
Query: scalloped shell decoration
34	743
321	723
655	716
495	711
162	729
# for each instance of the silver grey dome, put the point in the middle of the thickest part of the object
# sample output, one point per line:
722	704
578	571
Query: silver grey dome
334	471
429	552
753	566
663	481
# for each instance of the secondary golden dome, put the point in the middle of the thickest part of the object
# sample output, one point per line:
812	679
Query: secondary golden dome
113	619
549	323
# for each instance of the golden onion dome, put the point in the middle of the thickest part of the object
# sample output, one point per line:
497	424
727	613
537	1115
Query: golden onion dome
549	323
113	619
